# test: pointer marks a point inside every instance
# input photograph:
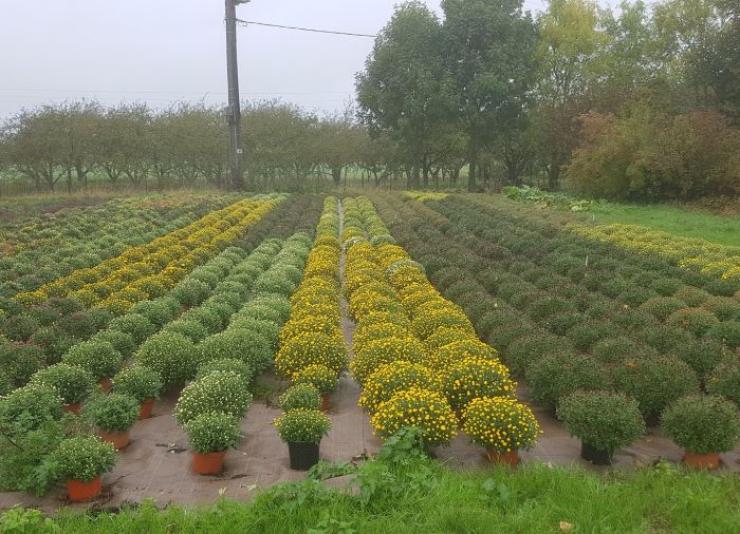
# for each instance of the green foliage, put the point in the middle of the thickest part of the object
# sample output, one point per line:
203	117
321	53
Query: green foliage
73	384
606	421
655	382
302	426
219	391
300	396
213	432
139	382
225	365
724	380
702	424
83	458
172	355
98	357
115	412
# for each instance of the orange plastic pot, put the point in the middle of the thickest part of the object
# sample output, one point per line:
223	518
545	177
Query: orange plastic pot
510	458
79	491
325	402
709	461
72	408
119	440
105	384
211	463
145	410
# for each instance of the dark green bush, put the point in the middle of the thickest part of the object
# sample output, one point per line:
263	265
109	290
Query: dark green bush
662	307
702	424
19	327
585	334
724	380
728	332
172	355
559	375
604	420
655	383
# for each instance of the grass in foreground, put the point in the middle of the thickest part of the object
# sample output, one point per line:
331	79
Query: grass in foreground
723	230
408	493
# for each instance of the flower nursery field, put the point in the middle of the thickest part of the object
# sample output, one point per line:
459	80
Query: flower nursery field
486	332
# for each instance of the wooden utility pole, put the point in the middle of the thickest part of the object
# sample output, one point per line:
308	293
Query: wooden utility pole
233	113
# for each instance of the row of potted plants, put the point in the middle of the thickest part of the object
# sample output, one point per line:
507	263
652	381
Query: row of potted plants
312	353
699	255
312	347
210	407
554	368
417	355
104	354
148	270
45	247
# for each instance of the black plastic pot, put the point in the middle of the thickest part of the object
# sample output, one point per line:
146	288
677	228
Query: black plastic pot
303	456
595	456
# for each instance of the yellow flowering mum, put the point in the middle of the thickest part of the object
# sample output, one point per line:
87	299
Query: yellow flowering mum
502	424
378	352
391	378
475	377
424	409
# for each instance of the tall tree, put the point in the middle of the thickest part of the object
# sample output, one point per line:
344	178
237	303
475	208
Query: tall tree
567	54
405	91
488	51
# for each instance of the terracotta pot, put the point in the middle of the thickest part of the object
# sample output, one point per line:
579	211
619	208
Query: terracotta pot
105	384
303	456
145	411
709	460
119	440
325	402
210	463
79	491
595	456
72	408
510	458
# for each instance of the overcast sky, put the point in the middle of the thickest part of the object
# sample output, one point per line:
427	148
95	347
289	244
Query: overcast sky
160	51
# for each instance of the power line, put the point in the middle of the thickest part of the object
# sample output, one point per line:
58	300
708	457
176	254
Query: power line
302	29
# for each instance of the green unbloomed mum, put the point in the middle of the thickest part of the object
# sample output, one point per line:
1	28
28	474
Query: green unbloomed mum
225	365
382	351
311	349
476	377
702	424
392	377
300	396
73	384
655	383
213	432
604	420
724	380
237	343
112	413
98	357
303	426
500	423
320	376
416	407
172	355
216	392
83	458
26	409
139	382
